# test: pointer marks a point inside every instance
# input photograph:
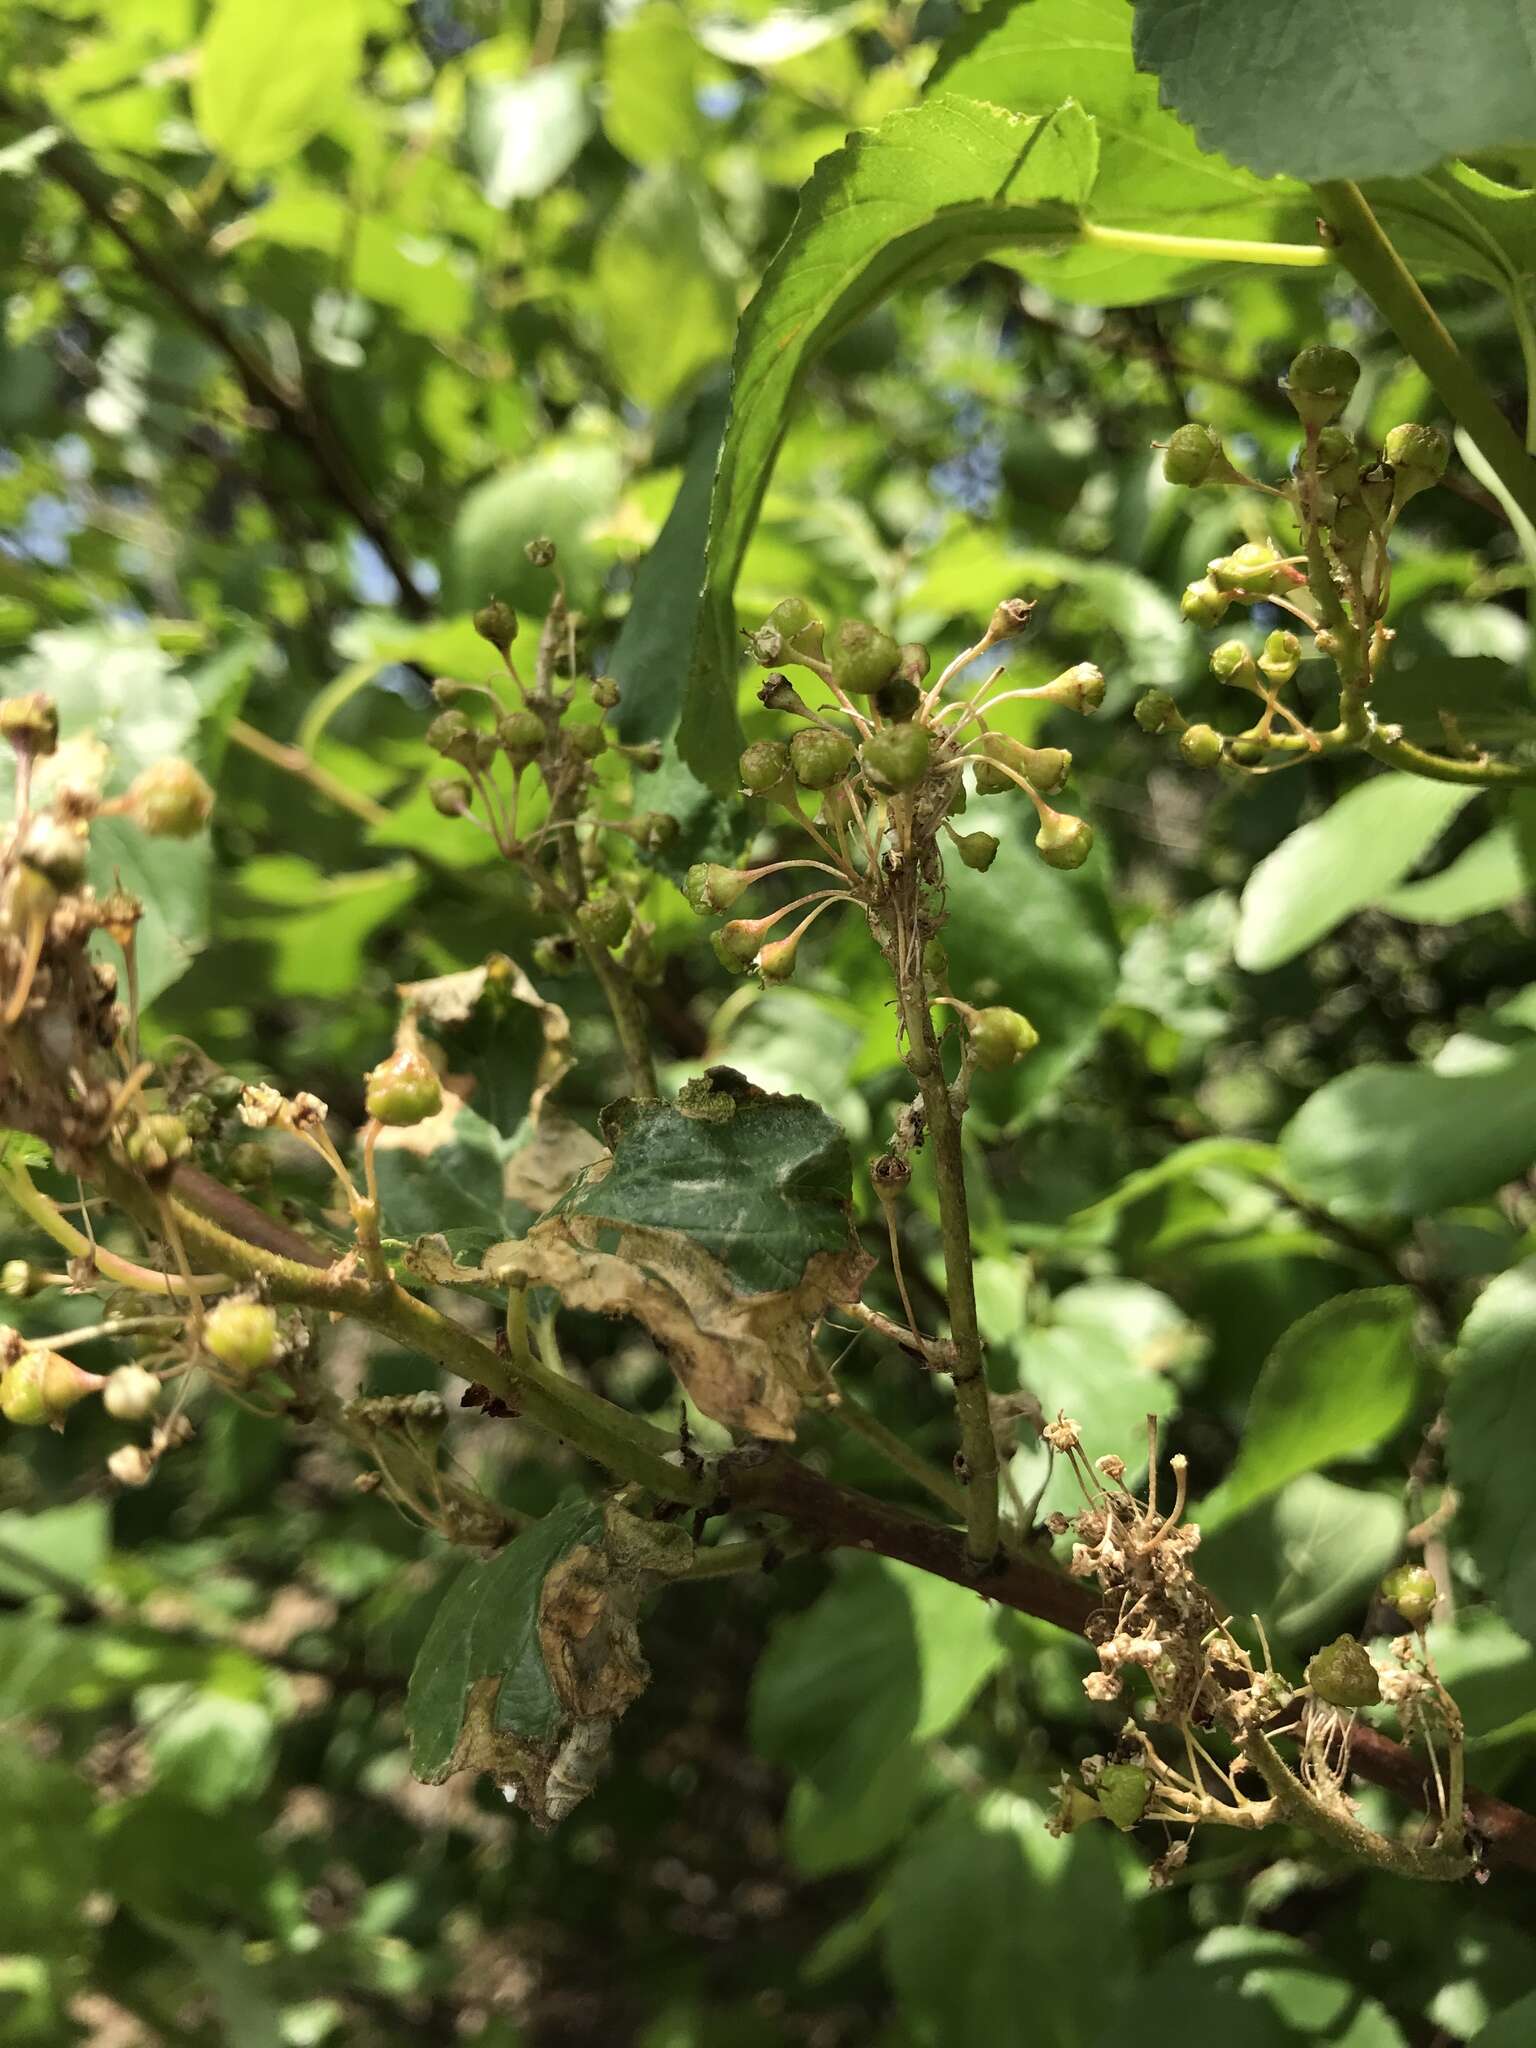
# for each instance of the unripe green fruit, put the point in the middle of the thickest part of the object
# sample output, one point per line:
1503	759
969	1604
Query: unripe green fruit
736	943
1242	753
913	663
242	1336
604	692
497	622
587	740
1351	532
1156	712
56	850
448	798
820	758
861	658
1319	383
897	700
1376	489
1411	1589
1336	455
20	1279
131	1393
1079	688
1343	1675
655	831
249	1165
1233	663
224	1092
541	552
522	734
170	800
30	723
1123	1791
936	964
1205	603
1200	745
155	1145
604	920
978	850
131	1465
1256	565
1192	456
1000	1038
710	888
29	895
1418	456
897	756
555	954
776	960
1045	769
451	735
791	631
763	766
1064	842
403	1089
41	1387
1281	656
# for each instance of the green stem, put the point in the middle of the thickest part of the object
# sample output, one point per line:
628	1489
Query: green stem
1435	1861
969	1371
1401	753
1371	259
1207	248
586	1421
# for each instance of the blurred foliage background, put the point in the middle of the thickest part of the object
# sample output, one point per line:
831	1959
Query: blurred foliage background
313	316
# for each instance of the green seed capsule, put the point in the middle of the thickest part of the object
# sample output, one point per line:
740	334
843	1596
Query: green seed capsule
242	1336
1233	663
497	622
820	758
764	766
1192	457
861	658
170	800
1079	688
736	943
1204	603
897	757
522	734
403	1090
1411	1589
1064	842
1156	712
711	889
1123	1791
978	850
1281	656
1255	566
1343	1675
1200	745
587	740
41	1387
1319	383
604	920
1000	1038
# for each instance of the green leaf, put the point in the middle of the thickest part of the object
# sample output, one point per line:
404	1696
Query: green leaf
1407	1141
454	1190
561	493
74	1541
45	1823
525	133
1338	1381
1104	1357
271	72
763	1191
974	1936
1514	2027
249	2015
1304	1555
1490	1670
651	71
1486	877
209	1748
173	879
1391	86
1030	56
1492	1414
847	1692
1339	863
934	187
314	925
666	304
1249	1988
487	1628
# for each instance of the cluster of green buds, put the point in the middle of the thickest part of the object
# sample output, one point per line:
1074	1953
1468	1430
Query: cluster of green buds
536	766
1330	573
883	758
